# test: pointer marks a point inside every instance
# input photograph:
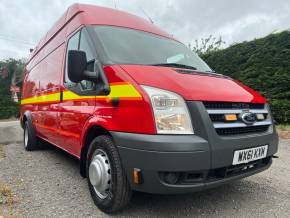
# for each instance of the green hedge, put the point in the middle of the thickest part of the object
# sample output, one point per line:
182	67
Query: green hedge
280	110
8	111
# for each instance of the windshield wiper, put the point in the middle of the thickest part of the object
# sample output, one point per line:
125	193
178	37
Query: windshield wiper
175	65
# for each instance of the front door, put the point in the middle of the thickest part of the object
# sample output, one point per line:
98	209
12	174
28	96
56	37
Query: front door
76	105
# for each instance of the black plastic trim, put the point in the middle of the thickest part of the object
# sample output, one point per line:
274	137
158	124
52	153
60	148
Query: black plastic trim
166	143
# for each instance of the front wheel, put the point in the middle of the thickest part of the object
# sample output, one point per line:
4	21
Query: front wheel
107	179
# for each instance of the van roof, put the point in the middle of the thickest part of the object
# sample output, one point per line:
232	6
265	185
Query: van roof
96	15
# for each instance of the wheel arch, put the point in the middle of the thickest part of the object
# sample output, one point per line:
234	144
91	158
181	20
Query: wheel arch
27	116
92	132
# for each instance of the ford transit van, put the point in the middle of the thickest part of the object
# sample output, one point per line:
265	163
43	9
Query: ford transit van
139	109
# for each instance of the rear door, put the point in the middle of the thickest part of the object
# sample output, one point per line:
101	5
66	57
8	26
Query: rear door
76	105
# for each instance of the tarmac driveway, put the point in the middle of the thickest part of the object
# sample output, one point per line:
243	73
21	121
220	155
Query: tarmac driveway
47	183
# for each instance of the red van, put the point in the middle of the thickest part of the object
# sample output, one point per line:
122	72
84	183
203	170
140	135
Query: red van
139	109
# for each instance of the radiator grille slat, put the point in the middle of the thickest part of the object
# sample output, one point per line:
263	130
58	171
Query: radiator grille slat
232	105
242	130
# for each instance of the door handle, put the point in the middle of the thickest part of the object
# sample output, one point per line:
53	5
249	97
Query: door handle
61	96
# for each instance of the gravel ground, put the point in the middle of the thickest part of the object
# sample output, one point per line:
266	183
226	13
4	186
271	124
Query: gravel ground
47	183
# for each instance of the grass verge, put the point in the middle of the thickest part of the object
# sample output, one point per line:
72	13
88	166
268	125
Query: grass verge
6	196
283	131
6	201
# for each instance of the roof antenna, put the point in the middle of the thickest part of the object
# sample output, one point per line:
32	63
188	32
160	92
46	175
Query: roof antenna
149	18
115	4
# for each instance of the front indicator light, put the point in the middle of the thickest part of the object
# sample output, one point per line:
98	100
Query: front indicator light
260	116
138	177
231	117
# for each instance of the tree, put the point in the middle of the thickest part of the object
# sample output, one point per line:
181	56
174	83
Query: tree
207	45
11	73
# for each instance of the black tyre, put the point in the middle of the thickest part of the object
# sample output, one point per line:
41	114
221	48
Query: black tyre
108	183
30	141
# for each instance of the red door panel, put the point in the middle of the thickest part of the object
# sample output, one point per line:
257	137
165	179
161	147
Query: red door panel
72	117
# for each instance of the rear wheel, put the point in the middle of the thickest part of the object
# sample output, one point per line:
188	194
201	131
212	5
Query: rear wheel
107	179
29	138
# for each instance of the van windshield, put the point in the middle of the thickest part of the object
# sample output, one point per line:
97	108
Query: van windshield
128	46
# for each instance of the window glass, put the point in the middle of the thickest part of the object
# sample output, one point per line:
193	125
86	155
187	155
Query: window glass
73	44
79	41
85	46
129	46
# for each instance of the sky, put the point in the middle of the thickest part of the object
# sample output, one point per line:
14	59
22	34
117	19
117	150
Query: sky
24	22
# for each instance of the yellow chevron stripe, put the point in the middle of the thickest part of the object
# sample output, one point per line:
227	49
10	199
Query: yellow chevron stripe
125	91
120	91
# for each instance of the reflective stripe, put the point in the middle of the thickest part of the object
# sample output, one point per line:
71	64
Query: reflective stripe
123	91
120	91
69	95
55	97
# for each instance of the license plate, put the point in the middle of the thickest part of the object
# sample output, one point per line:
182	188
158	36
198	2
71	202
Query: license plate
250	154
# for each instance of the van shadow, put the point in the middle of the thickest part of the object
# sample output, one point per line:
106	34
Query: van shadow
215	201
60	154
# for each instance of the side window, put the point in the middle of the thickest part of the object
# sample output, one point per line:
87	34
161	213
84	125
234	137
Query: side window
80	41
73	44
85	46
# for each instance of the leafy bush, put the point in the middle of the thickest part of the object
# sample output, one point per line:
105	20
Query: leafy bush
9	111
281	110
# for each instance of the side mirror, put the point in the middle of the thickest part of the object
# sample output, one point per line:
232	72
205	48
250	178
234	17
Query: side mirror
77	71
77	67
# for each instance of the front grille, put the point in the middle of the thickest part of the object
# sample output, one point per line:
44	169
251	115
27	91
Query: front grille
218	110
221	117
242	130
217	117
232	105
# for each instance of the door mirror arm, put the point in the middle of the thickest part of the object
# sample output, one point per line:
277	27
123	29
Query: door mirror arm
91	76
103	86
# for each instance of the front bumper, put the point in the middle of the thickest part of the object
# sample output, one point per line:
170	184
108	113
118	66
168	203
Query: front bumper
187	155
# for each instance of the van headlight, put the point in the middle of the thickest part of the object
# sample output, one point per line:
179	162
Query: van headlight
170	112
